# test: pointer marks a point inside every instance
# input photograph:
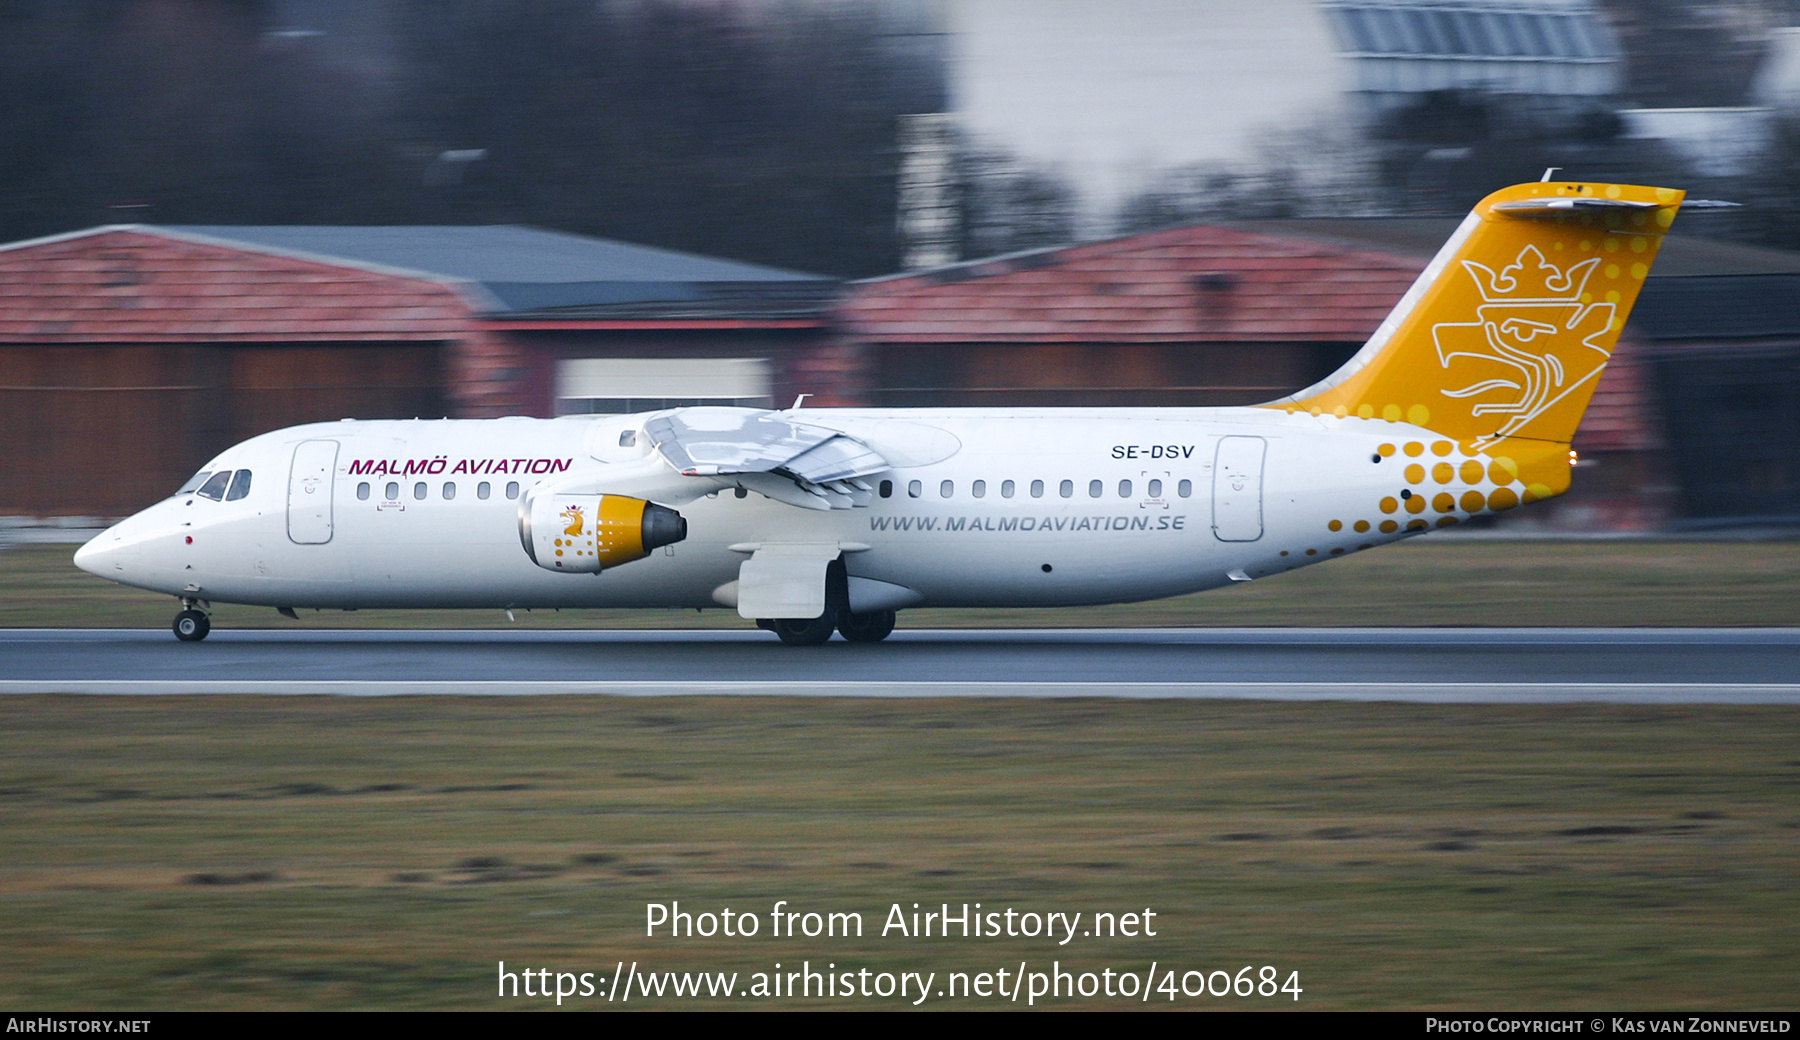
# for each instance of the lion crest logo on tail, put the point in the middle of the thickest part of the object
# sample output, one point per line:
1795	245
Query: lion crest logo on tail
1533	341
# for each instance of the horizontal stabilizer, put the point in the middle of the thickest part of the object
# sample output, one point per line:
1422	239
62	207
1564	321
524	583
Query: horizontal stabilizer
1572	205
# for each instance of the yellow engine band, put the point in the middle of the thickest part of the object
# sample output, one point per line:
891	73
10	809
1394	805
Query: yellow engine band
586	534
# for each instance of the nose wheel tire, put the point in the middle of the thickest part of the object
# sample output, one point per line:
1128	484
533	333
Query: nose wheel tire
803	631
872	627
191	626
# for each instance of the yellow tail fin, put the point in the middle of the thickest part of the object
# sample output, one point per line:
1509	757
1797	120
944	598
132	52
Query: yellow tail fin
1501	341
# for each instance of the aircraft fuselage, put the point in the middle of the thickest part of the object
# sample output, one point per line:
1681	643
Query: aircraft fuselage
1029	508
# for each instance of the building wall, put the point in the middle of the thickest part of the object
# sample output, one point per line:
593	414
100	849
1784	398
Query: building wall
1733	425
107	429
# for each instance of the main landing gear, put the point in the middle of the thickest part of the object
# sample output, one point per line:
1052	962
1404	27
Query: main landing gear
192	624
872	627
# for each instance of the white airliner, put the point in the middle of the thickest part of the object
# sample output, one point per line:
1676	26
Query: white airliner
809	521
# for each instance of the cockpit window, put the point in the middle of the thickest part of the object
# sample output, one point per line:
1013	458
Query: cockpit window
215	486
194	481
240	486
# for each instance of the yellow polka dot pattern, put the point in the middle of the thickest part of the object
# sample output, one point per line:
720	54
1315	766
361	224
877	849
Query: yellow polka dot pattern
1487	485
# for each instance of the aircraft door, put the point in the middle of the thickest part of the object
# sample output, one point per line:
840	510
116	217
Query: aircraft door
1237	489
309	492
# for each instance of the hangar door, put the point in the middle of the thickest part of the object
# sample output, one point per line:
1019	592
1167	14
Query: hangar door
107	429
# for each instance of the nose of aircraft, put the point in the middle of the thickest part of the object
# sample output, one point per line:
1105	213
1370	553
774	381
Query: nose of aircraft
96	557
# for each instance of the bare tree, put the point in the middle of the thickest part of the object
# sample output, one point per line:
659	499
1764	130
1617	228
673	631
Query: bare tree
1319	168
1010	205
673	123
765	133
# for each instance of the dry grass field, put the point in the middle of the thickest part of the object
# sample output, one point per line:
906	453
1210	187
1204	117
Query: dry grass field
227	852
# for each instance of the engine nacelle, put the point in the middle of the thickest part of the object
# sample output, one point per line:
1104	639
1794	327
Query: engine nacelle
589	533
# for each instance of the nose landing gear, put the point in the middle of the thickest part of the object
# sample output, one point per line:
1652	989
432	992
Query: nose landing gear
192	624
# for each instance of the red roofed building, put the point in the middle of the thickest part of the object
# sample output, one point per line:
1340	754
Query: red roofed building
126	355
1189	316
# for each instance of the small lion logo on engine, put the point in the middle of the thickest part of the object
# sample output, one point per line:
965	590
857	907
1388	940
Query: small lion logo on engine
572	516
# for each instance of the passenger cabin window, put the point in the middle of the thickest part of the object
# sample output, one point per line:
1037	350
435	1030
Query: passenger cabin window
1185	488
393	492
1037	489
419	491
947	488
362	491
449	490
512	489
215	485
887	489
914	489
483	489
194	481
978	489
240	485
1155	489
1124	489
1095	488
1006	489
1066	489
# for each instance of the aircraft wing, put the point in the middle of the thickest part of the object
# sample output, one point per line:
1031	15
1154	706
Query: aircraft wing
793	462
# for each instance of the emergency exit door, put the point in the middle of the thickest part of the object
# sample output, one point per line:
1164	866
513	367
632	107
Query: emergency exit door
309	492
1237	489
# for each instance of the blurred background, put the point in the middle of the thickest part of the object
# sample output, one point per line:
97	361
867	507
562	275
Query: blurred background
220	217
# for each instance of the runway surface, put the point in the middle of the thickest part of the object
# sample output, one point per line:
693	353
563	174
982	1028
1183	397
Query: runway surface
1647	666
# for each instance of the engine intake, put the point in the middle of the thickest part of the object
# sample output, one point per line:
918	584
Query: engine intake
590	533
